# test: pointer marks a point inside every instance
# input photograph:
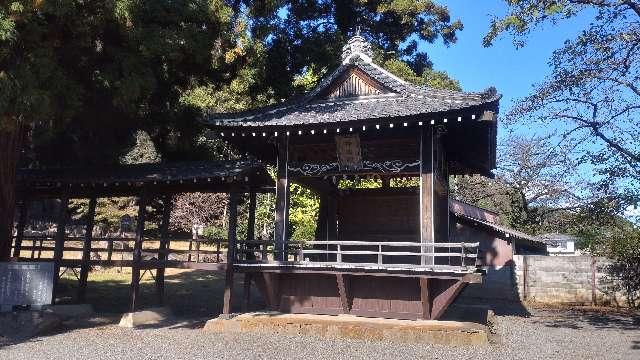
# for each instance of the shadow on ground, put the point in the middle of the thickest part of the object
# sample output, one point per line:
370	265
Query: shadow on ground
196	294
596	318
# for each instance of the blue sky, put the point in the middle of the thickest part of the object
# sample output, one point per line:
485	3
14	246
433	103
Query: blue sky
512	71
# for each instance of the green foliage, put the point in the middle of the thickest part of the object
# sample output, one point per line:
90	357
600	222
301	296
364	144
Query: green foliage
622	245
142	152
303	213
301	35
214	232
429	77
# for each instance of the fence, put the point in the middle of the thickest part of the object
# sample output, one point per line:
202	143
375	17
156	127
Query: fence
119	251
571	280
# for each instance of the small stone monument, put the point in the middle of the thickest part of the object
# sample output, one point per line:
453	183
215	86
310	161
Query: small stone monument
26	283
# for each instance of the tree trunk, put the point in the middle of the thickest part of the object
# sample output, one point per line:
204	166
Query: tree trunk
10	141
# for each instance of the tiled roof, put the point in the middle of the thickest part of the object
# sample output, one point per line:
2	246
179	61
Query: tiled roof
142	173
487	219
401	99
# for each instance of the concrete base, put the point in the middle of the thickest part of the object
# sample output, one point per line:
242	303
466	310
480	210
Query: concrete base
26	324
152	316
73	311
353	327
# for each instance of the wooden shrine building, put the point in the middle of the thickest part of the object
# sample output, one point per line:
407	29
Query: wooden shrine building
382	251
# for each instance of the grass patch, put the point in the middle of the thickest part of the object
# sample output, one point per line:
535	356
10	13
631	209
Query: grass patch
188	293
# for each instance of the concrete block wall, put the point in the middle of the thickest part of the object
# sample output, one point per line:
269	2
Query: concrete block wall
549	279
565	280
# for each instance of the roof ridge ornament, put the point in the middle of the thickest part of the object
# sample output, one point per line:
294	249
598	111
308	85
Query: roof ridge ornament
357	47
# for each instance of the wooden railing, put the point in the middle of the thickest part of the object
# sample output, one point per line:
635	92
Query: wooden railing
378	253
43	246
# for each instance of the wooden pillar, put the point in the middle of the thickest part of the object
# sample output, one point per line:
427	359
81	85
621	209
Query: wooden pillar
427	233
251	221
282	199
137	253
86	249
343	291
246	295
425	298
251	228
231	252
163	255
22	220
58	251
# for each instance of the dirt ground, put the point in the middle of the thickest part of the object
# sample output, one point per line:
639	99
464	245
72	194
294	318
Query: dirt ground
523	332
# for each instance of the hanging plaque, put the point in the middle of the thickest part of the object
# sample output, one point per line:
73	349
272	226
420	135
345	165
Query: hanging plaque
349	153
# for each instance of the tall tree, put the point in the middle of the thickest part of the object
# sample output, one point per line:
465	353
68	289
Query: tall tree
534	182
77	77
301	34
591	99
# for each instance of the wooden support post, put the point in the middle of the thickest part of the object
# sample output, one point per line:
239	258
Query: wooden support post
332	224
594	268
272	289
109	249
137	252
251	221
427	235
448	291
163	255
282	199
218	250
251	228
86	249
246	295
425	298
22	220
343	291
58	251
231	252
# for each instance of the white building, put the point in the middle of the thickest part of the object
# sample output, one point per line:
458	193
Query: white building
560	244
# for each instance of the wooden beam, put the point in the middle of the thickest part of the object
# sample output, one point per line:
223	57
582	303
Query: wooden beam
343	291
425	298
427	235
167	203
448	291
86	249
22	220
137	252
231	252
272	289
58	251
282	199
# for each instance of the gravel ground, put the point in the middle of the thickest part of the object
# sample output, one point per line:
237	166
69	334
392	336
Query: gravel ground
547	334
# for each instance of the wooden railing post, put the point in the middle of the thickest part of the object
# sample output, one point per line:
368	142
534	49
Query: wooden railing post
137	252
22	219
217	241
163	249
58	251
86	249
339	254
109	249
